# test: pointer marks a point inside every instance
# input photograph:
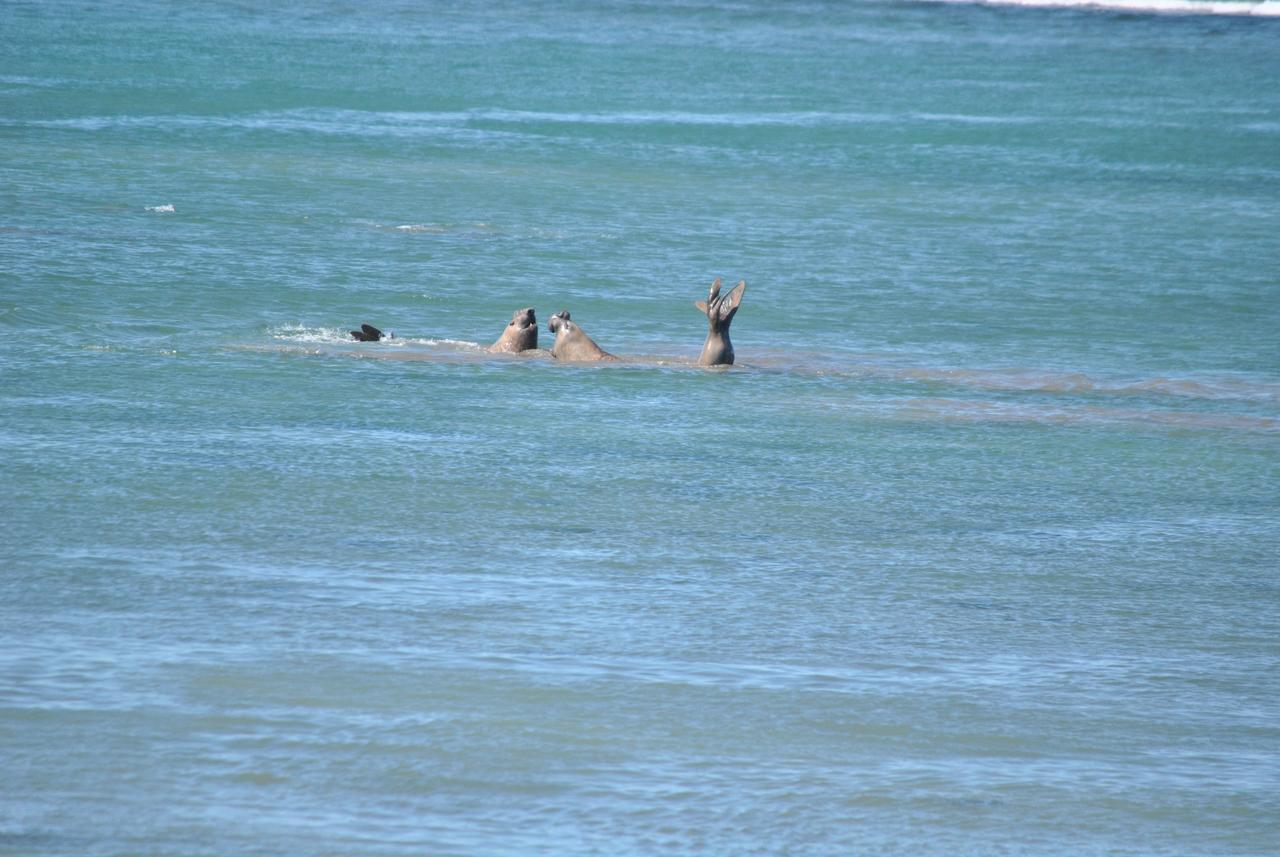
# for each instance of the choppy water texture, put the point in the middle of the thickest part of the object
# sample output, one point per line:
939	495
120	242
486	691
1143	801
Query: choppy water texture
973	552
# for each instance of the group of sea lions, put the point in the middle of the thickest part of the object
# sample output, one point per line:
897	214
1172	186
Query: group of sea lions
573	344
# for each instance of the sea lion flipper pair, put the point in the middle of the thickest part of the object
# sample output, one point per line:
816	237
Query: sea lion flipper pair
719	310
369	333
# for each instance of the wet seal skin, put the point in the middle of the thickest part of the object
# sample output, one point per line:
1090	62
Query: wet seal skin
719	309
572	343
369	333
521	333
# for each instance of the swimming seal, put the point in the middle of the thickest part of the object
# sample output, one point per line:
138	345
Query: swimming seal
719	309
369	333
521	333
572	343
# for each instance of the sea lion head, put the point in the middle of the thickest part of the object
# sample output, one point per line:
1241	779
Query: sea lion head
526	325
559	320
572	343
521	333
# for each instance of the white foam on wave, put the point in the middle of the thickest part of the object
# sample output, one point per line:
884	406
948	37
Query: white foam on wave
162	209
321	335
455	343
1263	8
310	335
303	333
471	228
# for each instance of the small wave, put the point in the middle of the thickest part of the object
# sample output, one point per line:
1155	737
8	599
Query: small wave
974	119
309	335
465	229
1261	8
433	228
304	121
801	119
782	119
1223	388
487	122
447	351
161	209
456	343
959	410
24	80
1072	411
1035	381
1013	381
1064	386
300	333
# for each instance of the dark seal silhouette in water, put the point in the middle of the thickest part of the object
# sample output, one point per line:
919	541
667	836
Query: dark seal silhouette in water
521	333
572	343
369	333
719	309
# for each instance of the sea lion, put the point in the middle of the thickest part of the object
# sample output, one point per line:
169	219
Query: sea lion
719	309
369	333
572	343
521	333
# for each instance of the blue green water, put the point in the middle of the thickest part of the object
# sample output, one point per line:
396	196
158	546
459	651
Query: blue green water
974	550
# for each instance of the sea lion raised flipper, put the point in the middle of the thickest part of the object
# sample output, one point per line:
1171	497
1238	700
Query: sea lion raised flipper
719	309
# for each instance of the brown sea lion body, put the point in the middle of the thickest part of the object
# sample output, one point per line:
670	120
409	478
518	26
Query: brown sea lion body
521	333
572	343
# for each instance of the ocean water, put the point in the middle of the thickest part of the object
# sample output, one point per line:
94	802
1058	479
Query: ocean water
974	550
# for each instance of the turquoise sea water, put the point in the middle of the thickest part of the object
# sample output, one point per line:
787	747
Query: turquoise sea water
974	551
